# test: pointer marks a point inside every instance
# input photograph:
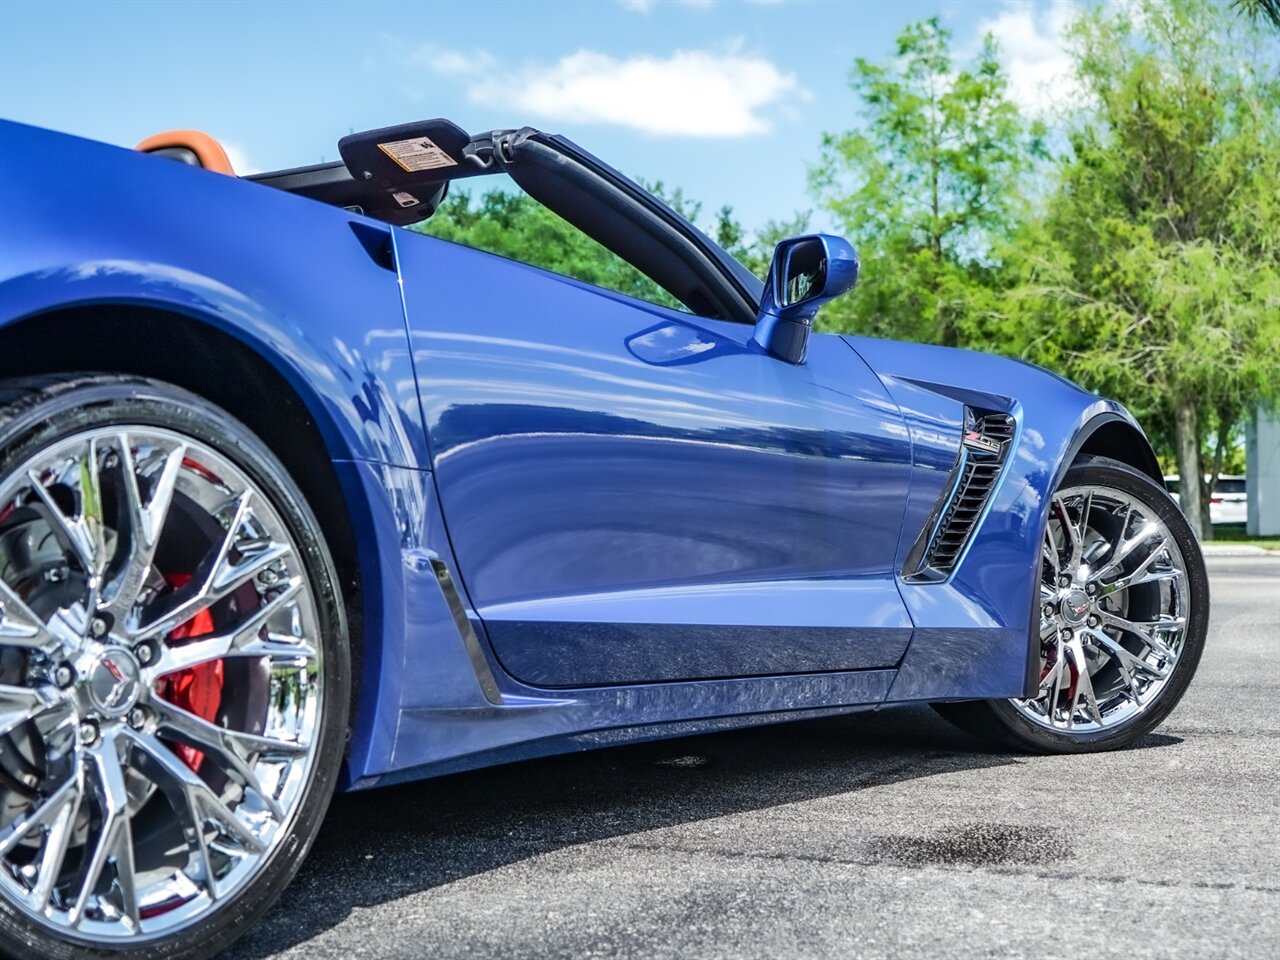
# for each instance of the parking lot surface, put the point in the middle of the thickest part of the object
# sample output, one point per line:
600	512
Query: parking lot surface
876	835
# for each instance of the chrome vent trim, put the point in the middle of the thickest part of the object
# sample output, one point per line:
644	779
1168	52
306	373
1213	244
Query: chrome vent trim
984	448
484	676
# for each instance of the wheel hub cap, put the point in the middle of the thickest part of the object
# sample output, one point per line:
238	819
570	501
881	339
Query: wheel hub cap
113	683
1075	606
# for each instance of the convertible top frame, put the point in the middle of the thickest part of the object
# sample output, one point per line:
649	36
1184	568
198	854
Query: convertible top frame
400	175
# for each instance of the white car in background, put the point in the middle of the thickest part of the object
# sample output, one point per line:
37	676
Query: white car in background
1229	503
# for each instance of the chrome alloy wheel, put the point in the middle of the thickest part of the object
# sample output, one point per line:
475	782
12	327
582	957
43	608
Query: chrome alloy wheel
160	683
1114	609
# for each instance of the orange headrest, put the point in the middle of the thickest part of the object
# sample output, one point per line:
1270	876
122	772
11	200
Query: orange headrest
207	150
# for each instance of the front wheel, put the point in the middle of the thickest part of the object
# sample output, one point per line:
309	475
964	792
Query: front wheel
1124	609
173	672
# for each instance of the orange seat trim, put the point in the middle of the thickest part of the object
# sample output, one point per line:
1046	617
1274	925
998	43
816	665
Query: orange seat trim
207	150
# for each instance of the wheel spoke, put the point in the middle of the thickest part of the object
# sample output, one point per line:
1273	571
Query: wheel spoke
19	626
244	640
1049	551
197	801
1055	691
1071	532
223	577
56	844
231	748
115	837
1050	679
72	532
1146	631
198	594
18	705
42	815
1139	575
1082	527
1084	686
1145	532
1133	663
146	524
1127	675
83	533
230	577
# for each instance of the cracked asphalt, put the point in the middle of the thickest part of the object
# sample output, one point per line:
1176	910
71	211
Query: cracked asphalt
877	835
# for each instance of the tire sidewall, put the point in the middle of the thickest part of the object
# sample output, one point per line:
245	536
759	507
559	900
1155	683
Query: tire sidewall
60	407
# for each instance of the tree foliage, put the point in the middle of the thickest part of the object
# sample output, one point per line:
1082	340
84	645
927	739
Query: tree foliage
514	225
928	186
1154	273
1259	10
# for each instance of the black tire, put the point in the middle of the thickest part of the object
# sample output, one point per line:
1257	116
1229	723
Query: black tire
37	412
998	721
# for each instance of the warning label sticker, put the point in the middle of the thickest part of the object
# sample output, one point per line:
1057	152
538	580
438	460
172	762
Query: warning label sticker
417	154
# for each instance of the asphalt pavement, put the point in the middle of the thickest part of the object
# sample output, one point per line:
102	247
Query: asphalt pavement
877	835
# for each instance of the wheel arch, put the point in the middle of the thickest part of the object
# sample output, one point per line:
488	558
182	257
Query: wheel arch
1111	435
188	352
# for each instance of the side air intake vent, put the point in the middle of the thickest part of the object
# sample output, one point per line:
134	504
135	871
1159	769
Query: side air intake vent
983	449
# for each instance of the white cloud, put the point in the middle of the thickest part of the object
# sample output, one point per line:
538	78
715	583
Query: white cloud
694	93
1032	47
240	162
647	6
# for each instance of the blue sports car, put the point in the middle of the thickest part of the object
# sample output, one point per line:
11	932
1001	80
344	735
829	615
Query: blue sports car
293	500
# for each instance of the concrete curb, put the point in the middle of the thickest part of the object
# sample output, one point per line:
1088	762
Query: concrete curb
1235	550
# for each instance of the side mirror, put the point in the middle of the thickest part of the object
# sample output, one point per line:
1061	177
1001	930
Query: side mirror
806	272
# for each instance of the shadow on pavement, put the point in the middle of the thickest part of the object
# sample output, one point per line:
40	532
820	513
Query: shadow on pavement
380	845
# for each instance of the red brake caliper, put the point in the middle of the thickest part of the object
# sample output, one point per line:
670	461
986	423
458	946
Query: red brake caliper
1075	679
198	690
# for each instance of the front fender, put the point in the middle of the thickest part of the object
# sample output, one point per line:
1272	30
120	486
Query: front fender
972	636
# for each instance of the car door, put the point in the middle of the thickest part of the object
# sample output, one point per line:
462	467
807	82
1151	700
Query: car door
633	494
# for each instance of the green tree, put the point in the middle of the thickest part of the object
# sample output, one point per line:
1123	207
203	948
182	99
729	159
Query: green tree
514	225
758	254
1257	10
927	186
1154	275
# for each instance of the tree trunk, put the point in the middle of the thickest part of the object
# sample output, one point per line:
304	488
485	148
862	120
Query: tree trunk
1186	441
1226	426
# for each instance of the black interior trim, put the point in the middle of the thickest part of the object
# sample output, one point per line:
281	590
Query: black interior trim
333	184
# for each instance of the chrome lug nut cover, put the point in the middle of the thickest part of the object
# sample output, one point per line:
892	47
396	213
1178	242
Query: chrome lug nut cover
87	732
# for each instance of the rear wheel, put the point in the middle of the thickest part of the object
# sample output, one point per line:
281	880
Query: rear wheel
173	672
1124	605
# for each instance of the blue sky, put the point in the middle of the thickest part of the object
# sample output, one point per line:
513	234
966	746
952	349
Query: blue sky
725	98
